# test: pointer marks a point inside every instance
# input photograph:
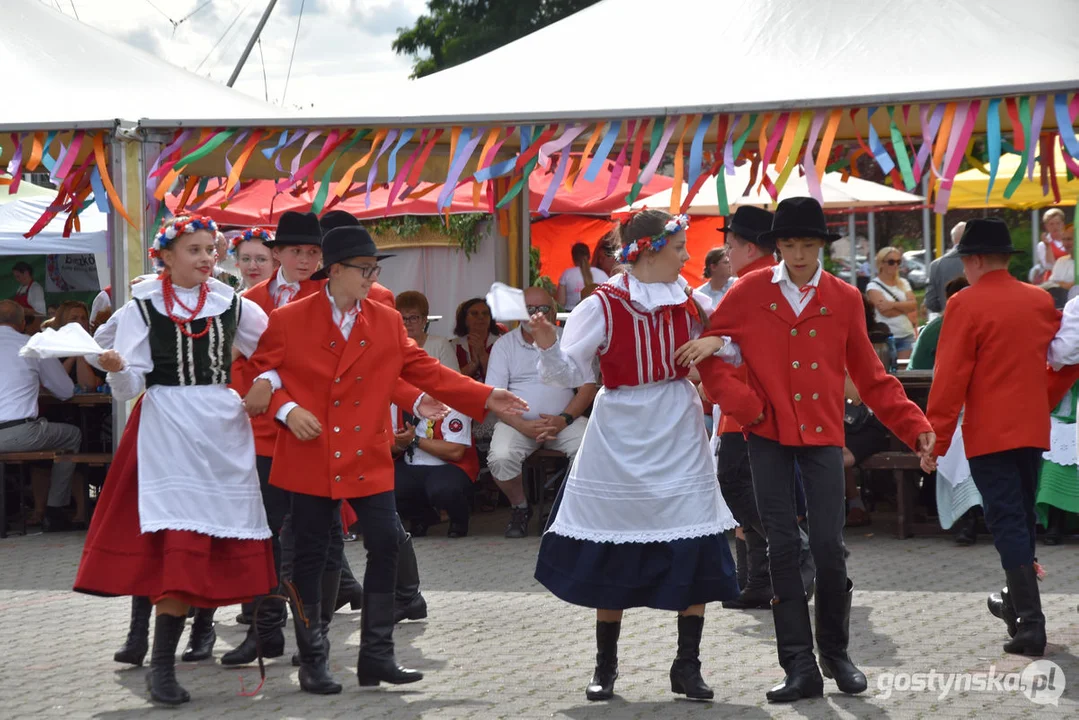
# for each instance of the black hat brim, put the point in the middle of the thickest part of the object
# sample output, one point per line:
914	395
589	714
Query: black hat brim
294	240
795	232
324	271
986	250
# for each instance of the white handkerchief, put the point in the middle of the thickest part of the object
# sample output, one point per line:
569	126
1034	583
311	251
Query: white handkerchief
69	341
507	303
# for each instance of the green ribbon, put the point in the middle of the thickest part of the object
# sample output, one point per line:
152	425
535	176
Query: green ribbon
899	145
1024	120
199	153
721	180
324	184
527	173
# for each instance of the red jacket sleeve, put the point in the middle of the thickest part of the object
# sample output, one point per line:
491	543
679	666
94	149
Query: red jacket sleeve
269	355
463	394
721	380
405	395
1061	382
952	372
883	393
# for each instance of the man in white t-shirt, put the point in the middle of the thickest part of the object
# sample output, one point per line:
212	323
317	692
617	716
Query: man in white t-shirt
717	270
554	419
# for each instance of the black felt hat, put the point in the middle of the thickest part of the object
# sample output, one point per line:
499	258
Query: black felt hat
986	236
750	222
342	243
337	218
799	217
295	228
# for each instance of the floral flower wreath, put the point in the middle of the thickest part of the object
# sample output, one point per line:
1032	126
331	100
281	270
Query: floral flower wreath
655	243
255	233
174	228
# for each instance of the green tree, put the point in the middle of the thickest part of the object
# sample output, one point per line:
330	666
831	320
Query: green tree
454	31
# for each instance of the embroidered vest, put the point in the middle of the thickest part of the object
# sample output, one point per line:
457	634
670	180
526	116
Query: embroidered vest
640	345
180	360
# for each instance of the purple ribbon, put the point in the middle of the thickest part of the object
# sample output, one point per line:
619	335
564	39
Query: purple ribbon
446	196
1036	120
390	137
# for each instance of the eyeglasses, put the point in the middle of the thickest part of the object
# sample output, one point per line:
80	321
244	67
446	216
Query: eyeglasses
257	260
893	261
413	319
533	309
369	271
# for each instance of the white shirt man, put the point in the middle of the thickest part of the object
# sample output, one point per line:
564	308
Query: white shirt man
21	430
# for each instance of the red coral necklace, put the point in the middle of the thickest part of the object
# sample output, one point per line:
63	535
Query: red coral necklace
168	293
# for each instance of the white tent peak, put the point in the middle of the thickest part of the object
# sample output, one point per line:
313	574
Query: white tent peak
626	58
65	74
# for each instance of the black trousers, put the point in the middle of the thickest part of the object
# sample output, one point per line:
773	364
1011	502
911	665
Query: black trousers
736	481
775	488
276	501
419	487
1008	482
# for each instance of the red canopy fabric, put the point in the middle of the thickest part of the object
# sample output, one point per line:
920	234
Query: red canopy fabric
257	203
555	236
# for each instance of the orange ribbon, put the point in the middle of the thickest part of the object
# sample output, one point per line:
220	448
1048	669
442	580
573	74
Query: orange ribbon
102	168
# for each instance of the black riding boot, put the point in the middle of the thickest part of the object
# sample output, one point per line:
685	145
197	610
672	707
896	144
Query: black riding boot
757	588
741	563
350	591
138	635
1000	606
314	655
331	582
1054	531
1023	590
161	680
794	642
408	600
377	662
269	619
247	609
602	685
833	635
201	639
686	670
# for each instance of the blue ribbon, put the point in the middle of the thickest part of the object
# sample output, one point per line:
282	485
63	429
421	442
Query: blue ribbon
391	164
269	152
992	136
604	150
1060	105
696	149
46	159
880	154
100	196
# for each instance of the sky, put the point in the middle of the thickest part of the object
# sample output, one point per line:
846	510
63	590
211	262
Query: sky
343	45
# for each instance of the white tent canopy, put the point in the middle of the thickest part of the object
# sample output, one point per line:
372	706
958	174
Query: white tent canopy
836	192
18	216
63	74
659	57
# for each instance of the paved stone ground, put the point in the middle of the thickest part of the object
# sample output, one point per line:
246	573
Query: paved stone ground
497	645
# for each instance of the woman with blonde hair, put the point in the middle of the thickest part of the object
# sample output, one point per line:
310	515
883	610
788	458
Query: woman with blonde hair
893	300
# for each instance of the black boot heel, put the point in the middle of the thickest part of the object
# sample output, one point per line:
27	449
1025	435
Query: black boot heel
686	670
601	686
161	680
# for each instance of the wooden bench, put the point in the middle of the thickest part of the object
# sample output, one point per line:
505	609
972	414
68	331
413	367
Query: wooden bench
91	460
906	469
541	470
22	459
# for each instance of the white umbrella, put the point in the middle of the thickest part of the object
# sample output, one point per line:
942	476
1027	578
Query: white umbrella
837	193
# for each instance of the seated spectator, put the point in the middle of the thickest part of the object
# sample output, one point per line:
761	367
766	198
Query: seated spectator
80	371
924	354
717	271
476	333
434	468
21	430
579	278
554	419
414	310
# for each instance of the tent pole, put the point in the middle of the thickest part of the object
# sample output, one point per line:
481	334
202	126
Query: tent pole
524	217
926	225
852	231
871	233
251	42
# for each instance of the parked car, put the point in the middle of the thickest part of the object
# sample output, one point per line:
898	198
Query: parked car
914	269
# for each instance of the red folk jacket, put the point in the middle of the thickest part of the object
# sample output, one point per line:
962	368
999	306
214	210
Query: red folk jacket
348	386
992	359
727	423
264	426
795	366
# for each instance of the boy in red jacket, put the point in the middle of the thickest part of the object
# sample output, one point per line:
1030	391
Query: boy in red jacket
991	359
799	331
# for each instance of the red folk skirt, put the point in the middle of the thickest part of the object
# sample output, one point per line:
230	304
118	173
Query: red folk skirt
200	570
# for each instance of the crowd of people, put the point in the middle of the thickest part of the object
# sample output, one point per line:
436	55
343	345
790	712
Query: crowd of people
285	398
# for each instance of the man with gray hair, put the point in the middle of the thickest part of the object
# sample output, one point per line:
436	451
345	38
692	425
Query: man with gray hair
942	271
21	430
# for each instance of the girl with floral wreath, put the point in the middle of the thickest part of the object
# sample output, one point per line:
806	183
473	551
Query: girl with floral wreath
640	519
180	519
253	256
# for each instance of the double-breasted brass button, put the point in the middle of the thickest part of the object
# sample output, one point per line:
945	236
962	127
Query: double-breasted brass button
812	333
336	429
816	396
356	403
337	454
337	479
337	403
797	397
820	429
359	453
794	332
359	378
773	306
803	428
363	343
813	366
824	311
333	343
356	429
337	380
794	364
361	477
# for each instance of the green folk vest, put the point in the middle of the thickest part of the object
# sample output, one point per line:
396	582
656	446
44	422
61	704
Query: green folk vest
180	360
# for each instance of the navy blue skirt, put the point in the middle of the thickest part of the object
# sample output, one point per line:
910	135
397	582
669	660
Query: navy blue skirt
661	575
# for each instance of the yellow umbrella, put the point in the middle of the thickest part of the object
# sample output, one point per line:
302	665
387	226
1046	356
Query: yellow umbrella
969	187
